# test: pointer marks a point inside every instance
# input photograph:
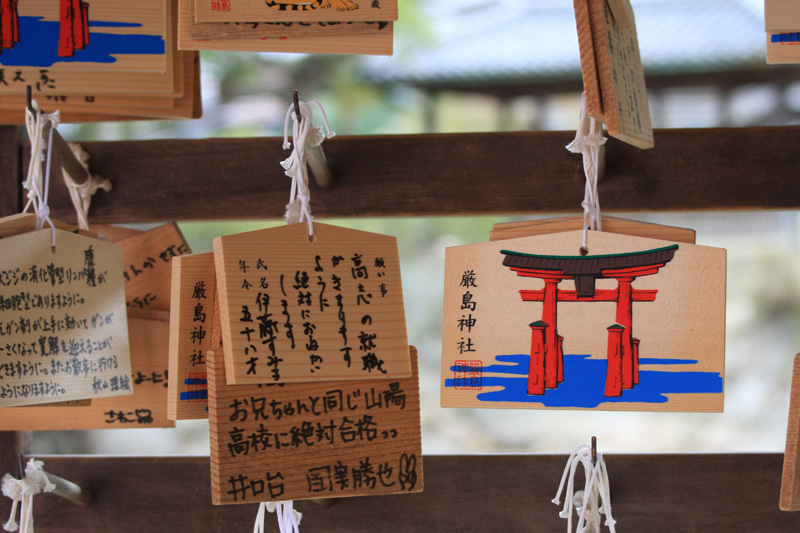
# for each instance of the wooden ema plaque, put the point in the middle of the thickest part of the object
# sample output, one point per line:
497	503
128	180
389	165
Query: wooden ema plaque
147	269
781	15
638	324
790	482
26	223
63	326
783	47
296	311
145	408
375	42
528	228
194	290
612	72
299	441
250	30
294	10
85	36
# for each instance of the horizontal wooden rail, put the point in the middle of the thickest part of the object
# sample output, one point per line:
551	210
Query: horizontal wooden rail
481	173
653	493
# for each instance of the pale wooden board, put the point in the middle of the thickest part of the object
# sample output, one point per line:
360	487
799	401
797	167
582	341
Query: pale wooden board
146	260
781	15
104	354
623	13
375	330
194	291
216	330
591	79
188	105
790	481
82	82
685	322
71	403
111	233
249	30
69	117
26	222
378	43
625	108
309	433
143	17
785	50
50	101
328	10
145	408
622	226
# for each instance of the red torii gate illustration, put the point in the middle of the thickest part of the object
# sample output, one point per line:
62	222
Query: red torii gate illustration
73	27
9	24
546	368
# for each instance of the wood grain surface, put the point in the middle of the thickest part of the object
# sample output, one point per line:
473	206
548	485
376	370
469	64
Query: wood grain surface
654	493
407	175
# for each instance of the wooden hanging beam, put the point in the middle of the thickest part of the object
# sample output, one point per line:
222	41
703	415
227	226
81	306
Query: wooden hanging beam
653	493
10	173
416	175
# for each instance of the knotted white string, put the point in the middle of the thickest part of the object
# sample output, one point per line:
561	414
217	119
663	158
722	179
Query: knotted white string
304	134
596	487
588	139
288	517
38	187
81	195
21	491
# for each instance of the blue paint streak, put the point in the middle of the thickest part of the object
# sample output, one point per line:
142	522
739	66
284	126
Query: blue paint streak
645	361
196	381
195	395
584	383
786	37
107	24
38	46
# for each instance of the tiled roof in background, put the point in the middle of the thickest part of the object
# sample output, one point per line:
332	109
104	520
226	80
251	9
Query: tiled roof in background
496	40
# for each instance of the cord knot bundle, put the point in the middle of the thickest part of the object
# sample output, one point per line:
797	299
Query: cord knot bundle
81	195
304	134
38	182
593	500
288	518
588	139
22	491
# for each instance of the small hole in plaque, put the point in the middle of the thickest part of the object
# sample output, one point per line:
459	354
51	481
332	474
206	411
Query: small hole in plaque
584	250
312	239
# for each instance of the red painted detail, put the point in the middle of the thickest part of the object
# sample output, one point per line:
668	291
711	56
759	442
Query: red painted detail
66	35
78	25
7	21
15	20
635	361
625	319
560	358
600	295
632	272
536	367
550	316
542	274
614	362
85	16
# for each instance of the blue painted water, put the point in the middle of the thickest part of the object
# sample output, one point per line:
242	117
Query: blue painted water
584	382
38	45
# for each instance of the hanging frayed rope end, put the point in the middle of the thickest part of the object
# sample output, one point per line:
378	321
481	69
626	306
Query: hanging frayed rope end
288	518
593	500
81	195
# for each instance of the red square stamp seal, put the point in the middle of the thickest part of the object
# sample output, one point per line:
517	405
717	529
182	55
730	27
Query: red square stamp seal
220	5
198	387
468	375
